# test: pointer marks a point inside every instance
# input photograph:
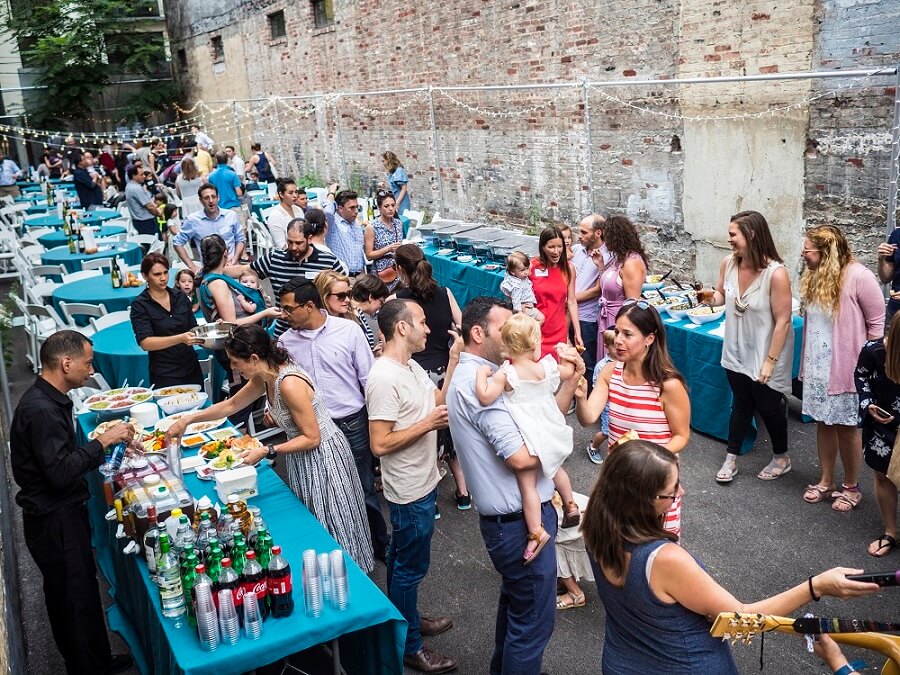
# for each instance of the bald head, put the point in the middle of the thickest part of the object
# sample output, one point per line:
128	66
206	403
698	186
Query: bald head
590	231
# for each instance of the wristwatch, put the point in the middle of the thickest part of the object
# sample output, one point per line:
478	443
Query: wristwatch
271	454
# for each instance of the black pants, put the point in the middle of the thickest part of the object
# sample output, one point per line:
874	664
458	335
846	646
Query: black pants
750	395
60	544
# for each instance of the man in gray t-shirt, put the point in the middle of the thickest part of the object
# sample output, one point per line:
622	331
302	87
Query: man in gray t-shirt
143	209
487	439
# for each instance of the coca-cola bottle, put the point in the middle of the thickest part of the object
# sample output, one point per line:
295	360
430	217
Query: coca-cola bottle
253	579
229	579
281	600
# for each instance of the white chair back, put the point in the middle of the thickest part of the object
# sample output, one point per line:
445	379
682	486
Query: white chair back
83	274
96	264
41	293
111	319
40	271
72	309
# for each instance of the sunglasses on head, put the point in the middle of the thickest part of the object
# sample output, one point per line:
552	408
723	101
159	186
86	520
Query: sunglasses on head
643	304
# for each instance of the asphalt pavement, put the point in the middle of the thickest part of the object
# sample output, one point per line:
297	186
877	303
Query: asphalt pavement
755	538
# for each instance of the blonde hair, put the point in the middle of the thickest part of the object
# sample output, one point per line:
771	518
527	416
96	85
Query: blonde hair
609	338
517	261
392	160
520	334
249	273
822	286
325	281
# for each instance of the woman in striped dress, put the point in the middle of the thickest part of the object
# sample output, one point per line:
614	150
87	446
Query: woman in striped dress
320	466
646	393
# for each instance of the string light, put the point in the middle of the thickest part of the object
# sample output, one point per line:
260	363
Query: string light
506	114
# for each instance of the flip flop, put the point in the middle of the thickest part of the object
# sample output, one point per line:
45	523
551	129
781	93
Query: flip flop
885	543
816	493
728	471
774	470
846	500
577	601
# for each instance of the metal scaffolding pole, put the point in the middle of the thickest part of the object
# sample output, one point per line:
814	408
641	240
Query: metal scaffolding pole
340	139
435	148
588	145
895	161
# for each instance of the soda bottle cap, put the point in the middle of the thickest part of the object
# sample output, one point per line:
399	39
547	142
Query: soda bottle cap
226	562
233	499
250	555
276	550
176	512
162	489
200	569
204	515
151	511
183	519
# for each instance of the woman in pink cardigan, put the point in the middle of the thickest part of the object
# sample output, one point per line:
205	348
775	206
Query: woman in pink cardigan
843	307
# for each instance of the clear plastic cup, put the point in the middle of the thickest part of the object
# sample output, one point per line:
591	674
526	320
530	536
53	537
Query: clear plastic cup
324	564
229	626
208	630
252	618
312	586
340	592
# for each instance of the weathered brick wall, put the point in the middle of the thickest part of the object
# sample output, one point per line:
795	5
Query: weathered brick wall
532	165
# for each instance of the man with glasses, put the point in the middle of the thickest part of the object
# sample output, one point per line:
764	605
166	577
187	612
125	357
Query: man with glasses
337	356
345	235
299	258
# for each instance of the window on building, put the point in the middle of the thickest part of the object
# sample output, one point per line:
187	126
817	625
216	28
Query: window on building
277	28
323	12
182	59
218	49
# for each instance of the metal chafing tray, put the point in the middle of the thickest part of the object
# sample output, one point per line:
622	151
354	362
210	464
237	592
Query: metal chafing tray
443	236
478	240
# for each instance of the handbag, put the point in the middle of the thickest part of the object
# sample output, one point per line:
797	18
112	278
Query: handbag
893	470
388	274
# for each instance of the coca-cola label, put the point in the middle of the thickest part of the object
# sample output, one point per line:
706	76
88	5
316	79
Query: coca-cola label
259	587
238	593
280	586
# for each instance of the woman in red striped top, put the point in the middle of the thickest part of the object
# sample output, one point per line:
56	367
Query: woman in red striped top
646	393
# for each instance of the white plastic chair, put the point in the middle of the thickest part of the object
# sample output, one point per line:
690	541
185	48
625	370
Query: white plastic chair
41	293
111	239
72	309
40	323
96	264
111	319
206	367
144	239
158	245
83	274
48	271
414	216
32	253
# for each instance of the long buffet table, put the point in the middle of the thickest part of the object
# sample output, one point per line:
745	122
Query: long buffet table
371	630
695	350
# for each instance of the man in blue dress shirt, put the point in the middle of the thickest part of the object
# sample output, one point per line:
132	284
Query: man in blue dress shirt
211	220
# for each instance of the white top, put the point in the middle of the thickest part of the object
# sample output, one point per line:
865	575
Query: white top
277	220
534	410
748	334
404	394
586	276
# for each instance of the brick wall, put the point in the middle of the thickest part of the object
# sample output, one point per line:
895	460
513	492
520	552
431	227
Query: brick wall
532	165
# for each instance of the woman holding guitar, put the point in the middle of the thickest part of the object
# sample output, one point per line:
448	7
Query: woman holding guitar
658	598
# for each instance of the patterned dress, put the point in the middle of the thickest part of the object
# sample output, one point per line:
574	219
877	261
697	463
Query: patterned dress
874	387
325	479
386	237
817	402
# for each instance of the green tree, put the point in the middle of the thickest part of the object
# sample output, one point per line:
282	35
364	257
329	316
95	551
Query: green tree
74	45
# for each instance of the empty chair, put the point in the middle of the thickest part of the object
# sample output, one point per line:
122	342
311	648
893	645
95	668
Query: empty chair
83	274
40	323
48	271
157	247
32	253
415	217
206	367
41	293
144	239
72	309
111	239
96	264
111	319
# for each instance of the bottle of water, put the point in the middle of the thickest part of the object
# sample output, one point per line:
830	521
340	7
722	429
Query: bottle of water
185	539
171	592
151	541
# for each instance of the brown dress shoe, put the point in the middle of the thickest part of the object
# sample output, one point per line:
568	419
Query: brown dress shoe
427	661
431	626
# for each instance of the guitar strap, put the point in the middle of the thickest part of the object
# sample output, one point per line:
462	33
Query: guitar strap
817	626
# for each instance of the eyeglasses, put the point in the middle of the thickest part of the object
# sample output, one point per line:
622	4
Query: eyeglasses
340	296
673	497
810	250
289	309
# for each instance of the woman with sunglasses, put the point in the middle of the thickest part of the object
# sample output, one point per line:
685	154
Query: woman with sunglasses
334	288
646	394
758	349
442	313
320	466
383	237
658	598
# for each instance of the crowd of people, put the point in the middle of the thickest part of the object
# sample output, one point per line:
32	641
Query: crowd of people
377	377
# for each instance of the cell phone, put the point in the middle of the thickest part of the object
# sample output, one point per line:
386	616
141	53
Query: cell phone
882	411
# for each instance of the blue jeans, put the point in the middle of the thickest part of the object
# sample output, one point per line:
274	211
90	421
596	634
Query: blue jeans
526	612
409	556
356	429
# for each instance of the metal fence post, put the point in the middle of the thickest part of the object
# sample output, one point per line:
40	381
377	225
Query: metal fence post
895	161
237	128
435	149
588	143
340	139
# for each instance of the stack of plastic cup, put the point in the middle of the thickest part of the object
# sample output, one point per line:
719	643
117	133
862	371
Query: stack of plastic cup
229	625
312	584
253	622
340	592
325	573
207	622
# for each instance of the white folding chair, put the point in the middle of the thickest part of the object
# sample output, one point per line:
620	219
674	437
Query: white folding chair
206	367
144	239
111	319
41	322
72	309
262	238
41	293
96	264
415	217
33	234
111	239
158	245
95	384
48	271
78	276
32	253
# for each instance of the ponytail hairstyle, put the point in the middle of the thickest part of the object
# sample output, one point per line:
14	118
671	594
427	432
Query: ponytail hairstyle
622	507
251	339
411	260
212	251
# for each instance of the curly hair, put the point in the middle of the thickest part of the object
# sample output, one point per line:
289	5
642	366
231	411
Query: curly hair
822	286
622	239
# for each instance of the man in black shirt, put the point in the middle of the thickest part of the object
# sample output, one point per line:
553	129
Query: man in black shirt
49	467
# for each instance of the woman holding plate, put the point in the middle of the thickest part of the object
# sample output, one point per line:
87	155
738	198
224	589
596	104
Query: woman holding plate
320	466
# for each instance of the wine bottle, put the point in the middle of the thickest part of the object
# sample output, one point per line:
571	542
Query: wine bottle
114	274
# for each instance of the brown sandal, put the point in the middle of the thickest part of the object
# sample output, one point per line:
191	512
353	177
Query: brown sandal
572	516
542	538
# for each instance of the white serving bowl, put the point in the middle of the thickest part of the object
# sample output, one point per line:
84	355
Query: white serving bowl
678	313
182	402
717	313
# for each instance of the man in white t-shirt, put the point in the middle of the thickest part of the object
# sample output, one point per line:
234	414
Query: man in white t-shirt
405	412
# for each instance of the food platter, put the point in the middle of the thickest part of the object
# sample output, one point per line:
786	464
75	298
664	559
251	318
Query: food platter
166	392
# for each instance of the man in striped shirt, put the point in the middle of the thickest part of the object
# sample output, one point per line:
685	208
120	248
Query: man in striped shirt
299	258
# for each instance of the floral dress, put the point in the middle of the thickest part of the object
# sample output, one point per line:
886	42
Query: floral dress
874	387
817	402
385	236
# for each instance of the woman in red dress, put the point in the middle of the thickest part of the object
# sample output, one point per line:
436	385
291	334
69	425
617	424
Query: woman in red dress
553	279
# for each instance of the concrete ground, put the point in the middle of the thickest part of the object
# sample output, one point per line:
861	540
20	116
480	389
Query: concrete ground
756	538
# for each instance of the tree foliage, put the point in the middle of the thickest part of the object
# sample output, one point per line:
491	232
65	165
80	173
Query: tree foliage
69	44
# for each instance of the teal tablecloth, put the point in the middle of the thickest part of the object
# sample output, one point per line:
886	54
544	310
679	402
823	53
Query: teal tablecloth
85	218
97	290
57	238
695	352
260	205
371	630
128	251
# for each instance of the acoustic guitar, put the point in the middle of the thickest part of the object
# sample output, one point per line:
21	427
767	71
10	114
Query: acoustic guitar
743	627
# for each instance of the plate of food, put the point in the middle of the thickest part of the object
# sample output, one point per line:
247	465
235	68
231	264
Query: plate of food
182	402
154	442
227	459
201	427
212	449
464	258
653	281
491	267
103	427
205	472
700	315
677	308
445	251
165	392
223	434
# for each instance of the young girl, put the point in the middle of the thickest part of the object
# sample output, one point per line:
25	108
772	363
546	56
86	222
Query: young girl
529	385
593	450
251	280
185	281
516	285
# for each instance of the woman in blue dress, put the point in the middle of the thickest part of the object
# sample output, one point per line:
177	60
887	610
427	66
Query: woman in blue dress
397	180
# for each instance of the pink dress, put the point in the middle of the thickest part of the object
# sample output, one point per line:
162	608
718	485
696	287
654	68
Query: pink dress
639	407
612	296
551	291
